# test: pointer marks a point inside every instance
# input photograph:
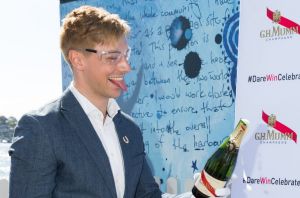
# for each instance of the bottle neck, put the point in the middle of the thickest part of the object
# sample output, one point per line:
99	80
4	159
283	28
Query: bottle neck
237	135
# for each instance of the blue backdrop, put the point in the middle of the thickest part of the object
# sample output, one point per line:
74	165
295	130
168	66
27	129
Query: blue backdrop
182	85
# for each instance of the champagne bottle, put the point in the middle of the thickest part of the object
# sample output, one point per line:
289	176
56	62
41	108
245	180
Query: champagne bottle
219	167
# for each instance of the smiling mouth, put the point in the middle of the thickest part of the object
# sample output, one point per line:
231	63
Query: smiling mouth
118	81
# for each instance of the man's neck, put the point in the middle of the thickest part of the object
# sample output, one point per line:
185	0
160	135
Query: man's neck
100	103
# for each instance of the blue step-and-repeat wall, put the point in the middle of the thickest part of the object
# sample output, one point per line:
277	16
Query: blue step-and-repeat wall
181	90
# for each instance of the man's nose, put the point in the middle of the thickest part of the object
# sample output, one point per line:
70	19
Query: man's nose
124	65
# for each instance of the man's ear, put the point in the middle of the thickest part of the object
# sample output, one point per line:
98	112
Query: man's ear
77	59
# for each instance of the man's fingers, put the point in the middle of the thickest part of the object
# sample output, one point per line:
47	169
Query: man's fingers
196	175
222	192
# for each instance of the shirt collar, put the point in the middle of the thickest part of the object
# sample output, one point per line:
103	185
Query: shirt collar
89	108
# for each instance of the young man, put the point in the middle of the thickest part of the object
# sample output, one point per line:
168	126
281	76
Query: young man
82	145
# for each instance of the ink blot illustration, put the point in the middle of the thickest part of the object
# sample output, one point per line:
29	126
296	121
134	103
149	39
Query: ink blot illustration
180	32
192	64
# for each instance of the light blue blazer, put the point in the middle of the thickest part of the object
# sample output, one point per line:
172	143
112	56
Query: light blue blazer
56	153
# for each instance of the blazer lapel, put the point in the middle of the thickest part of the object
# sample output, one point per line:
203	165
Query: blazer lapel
84	129
123	130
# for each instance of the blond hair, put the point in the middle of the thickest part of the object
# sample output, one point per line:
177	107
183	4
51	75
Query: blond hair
88	26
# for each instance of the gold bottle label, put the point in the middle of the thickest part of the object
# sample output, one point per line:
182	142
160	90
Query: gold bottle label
237	135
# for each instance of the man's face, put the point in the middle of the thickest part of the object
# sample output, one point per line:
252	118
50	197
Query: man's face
104	70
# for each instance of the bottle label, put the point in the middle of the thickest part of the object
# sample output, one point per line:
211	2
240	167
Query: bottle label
208	185
239	132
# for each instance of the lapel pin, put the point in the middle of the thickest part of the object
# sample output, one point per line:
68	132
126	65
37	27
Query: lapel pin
125	139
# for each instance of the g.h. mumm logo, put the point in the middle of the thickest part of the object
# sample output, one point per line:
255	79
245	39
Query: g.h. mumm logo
276	133
284	28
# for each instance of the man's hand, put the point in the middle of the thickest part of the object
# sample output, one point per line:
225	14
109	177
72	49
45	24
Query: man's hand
221	192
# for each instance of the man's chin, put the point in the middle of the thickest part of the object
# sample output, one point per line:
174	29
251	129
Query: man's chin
116	94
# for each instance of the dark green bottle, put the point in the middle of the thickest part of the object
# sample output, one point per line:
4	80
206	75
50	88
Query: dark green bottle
219	167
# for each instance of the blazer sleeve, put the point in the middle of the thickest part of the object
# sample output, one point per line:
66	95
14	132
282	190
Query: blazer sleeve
33	165
147	187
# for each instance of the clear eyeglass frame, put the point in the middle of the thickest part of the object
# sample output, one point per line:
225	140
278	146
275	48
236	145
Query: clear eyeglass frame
111	57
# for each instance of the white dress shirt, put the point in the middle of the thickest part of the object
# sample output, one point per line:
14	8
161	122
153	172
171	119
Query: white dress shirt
106	131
